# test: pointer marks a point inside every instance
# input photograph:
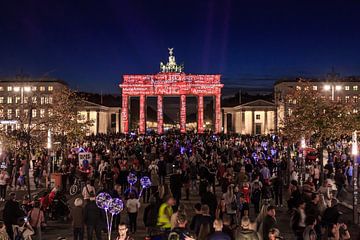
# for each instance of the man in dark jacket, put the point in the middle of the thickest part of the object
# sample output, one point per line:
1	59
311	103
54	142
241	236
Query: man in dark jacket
209	198
269	222
175	186
246	233
11	214
93	218
218	233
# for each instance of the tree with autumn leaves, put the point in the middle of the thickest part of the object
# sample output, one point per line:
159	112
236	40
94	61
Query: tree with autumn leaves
313	115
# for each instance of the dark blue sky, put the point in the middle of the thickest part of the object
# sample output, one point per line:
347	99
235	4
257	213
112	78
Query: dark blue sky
90	44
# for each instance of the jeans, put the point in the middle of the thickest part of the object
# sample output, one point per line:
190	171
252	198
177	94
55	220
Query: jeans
78	233
90	230
132	221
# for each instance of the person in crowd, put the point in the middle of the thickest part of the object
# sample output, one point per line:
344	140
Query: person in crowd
3	233
256	197
205	220
245	232
165	212
277	183
179	232
198	214
298	220
11	214
176	185
274	234
218	233
88	190
338	231
231	205
174	216
309	232
269	222
4	177
37	219
23	230
227	227
132	207
77	217
123	232
209	198
93	218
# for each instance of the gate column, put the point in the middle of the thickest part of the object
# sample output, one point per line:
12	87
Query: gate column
142	123
160	119
217	113
183	113
125	114
200	123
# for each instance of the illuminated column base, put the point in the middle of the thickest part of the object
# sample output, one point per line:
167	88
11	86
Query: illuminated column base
125	114
217	113
160	119
183	113
200	123
142	123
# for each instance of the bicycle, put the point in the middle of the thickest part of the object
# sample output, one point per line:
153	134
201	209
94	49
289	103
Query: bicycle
76	187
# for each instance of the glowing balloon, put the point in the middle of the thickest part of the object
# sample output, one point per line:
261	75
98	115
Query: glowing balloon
116	205
102	200
145	182
132	179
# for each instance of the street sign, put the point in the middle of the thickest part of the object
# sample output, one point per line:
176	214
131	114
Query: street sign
84	156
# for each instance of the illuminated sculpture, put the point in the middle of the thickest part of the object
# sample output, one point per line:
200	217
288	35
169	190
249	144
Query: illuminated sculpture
169	82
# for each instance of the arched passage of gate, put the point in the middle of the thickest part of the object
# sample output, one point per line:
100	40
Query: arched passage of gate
170	84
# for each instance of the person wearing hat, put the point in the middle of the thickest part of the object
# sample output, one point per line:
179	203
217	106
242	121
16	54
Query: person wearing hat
11	213
77	216
93	218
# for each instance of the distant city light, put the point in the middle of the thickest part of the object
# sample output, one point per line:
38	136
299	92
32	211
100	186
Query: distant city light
327	87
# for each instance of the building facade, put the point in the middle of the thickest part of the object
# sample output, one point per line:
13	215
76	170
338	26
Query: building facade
22	94
333	88
254	118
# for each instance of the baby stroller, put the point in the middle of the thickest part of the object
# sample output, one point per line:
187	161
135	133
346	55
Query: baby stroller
56	206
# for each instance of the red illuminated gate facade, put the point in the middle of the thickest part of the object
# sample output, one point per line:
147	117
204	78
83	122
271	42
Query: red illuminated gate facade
170	83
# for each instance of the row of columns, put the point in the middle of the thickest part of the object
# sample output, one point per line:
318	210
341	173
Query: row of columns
242	121
160	118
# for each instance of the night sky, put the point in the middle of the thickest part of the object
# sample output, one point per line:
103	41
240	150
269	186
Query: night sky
90	44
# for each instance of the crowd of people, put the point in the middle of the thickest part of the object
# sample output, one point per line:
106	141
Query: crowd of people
241	183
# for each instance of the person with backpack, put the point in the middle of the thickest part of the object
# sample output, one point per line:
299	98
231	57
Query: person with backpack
36	219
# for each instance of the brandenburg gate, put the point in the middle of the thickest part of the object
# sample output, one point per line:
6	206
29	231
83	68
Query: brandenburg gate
170	81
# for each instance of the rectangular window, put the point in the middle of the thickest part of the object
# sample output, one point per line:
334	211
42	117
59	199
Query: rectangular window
113	120
355	98
42	88
9	88
257	116
50	112
46	100
1	88
42	100
315	88
50	100
33	88
42	113
17	113
50	88
17	99
347	98
355	88
9	113
1	99
347	88
26	112
9	100
33	113
1	113
34	99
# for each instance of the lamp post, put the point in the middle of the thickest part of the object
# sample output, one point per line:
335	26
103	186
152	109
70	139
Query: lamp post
354	151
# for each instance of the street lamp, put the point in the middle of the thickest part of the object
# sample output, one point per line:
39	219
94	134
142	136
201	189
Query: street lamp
354	152
333	88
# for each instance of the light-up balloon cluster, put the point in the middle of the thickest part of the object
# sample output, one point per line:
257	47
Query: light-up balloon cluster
111	206
145	182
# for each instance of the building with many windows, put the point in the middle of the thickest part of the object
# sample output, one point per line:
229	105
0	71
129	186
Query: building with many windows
332	88
21	94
